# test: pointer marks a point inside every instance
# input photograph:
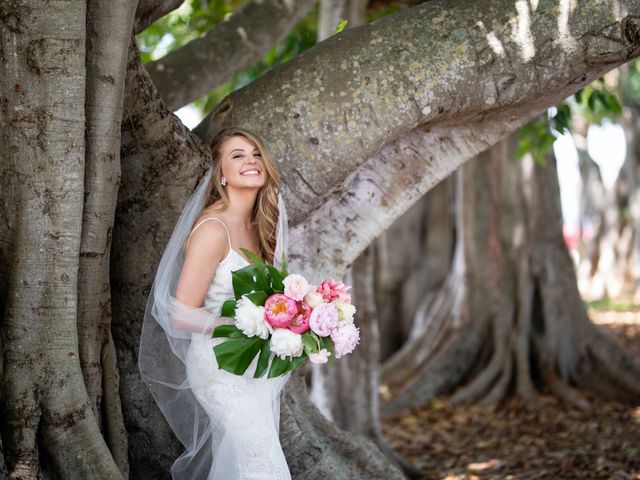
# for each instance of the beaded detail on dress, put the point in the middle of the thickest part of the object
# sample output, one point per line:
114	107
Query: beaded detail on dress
242	410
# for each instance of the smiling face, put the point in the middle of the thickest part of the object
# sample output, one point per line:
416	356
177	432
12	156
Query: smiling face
242	163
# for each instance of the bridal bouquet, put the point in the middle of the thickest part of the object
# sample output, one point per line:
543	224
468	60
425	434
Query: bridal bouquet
280	313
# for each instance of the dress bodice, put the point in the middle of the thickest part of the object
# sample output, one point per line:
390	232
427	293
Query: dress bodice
221	287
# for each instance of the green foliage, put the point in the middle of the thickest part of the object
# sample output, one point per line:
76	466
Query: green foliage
594	102
535	138
341	25
236	352
191	20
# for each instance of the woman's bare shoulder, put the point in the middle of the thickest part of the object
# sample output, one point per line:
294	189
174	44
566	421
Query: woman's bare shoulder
209	239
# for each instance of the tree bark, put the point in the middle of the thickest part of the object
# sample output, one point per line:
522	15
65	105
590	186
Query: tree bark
106	60
47	415
611	268
332	12
228	48
340	164
523	322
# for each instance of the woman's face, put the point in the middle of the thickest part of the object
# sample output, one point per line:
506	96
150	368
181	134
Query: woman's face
242	164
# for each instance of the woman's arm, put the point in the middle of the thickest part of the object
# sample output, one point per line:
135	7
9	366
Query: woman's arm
206	248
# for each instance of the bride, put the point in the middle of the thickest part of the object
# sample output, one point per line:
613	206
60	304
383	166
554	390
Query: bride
228	424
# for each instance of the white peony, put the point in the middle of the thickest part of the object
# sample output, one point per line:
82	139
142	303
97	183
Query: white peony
250	319
286	343
295	286
320	357
345	311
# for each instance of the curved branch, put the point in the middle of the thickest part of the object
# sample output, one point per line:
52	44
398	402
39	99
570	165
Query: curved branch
227	49
334	120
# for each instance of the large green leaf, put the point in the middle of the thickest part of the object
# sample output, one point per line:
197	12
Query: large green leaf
280	366
263	360
253	257
258	298
228	331
276	279
228	309
235	354
252	278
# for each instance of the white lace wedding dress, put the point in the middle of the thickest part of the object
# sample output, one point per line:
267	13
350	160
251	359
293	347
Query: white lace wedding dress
244	412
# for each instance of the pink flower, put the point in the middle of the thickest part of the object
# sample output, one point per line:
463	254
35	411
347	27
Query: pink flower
279	310
313	298
332	289
295	286
300	322
323	319
320	357
345	338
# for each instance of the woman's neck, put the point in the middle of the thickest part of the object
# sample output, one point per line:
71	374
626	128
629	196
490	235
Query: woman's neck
241	204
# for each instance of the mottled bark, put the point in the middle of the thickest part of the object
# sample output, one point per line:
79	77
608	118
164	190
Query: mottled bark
230	47
46	412
400	88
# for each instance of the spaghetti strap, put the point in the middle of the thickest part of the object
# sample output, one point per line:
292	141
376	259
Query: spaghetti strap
211	218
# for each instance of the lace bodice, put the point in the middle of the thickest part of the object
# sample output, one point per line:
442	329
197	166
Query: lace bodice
221	288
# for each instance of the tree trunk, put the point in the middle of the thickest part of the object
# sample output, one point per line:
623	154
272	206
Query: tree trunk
47	414
523	322
612	267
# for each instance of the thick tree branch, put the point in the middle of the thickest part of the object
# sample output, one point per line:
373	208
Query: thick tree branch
230	47
327	117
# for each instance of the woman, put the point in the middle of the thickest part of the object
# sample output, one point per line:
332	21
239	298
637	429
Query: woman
227	423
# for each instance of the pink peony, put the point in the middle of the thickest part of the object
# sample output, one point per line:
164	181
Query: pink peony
345	338
332	289
323	319
279	310
295	286
300	322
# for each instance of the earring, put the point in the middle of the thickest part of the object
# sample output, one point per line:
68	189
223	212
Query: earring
223	181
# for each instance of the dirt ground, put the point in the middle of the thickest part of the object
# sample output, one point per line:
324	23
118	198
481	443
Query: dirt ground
554	441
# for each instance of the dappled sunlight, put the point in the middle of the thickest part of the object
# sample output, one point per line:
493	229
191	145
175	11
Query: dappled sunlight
565	38
495	44
522	31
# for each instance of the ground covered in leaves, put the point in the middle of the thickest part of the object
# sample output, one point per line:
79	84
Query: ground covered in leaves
554	441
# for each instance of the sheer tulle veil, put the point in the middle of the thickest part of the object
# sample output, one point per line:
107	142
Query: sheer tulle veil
165	342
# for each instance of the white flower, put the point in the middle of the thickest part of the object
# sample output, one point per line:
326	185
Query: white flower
286	343
313	298
345	311
295	286
250	319
320	357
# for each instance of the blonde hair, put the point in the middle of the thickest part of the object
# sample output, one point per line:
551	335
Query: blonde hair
264	216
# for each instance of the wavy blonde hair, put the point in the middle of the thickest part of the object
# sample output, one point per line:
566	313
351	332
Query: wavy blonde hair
264	216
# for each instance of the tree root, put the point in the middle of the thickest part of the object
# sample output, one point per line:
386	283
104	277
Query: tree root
316	449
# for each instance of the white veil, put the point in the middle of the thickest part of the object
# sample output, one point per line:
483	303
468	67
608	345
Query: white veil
166	335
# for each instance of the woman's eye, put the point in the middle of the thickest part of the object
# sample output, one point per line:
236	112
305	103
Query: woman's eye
237	156
257	154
